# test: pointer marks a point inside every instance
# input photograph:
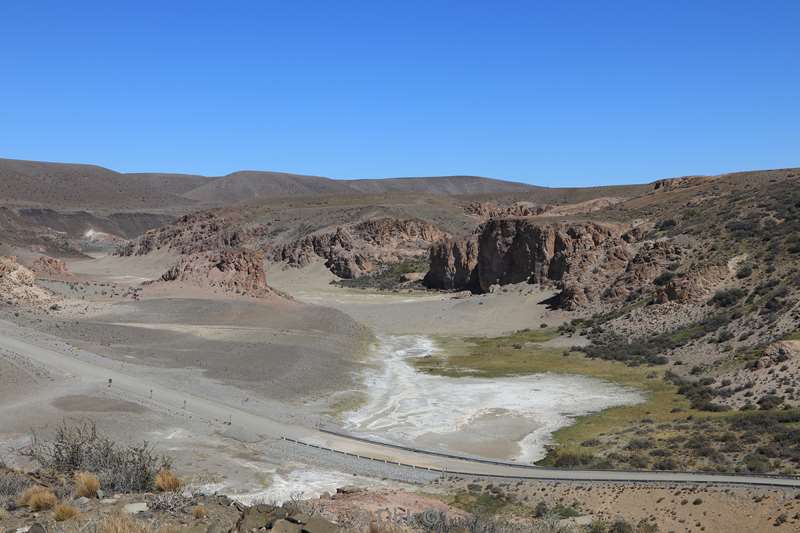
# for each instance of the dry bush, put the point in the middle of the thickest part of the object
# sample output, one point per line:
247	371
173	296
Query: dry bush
167	481
200	512
120	523
167	501
12	483
64	512
79	447
86	484
38	498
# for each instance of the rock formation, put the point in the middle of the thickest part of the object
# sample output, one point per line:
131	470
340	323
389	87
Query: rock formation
18	284
198	232
453	265
240	271
49	267
357	249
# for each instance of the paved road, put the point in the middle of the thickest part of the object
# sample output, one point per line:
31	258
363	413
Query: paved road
99	370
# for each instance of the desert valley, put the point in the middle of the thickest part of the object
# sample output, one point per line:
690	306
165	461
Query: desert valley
410	354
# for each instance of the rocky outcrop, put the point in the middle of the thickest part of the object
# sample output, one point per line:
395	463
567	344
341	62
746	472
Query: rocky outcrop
354	250
517	250
581	259
240	271
452	265
488	210
49	267
198	232
18	284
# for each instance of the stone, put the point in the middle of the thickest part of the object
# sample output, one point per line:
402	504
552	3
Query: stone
315	524
284	526
82	501
135	508
37	528
109	501
299	518
101	494
256	517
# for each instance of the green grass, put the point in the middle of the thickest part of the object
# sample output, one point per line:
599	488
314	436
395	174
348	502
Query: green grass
518	354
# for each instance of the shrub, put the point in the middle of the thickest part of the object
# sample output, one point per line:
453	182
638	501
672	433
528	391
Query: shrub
744	272
38	498
12	483
727	297
199	512
86	484
664	278
573	460
167	481
80	448
64	512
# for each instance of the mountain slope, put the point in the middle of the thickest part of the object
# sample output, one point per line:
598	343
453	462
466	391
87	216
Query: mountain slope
78	185
451	185
249	185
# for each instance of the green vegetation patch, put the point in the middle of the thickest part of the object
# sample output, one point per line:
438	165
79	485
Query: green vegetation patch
517	354
388	276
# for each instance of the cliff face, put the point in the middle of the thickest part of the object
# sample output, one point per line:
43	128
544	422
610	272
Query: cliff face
516	250
580	259
453	265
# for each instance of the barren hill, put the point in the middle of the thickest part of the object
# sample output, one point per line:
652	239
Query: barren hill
450	185
78	185
249	185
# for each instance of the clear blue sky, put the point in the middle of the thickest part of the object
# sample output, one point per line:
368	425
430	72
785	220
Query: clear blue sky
554	93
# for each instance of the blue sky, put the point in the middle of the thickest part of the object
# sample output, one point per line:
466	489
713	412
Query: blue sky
553	93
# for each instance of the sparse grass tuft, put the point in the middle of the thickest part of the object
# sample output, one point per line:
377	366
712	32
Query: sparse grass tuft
120	523
199	512
167	481
38	498
86	484
64	512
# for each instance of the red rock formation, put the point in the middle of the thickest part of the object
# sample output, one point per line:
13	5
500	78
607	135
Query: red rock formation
240	271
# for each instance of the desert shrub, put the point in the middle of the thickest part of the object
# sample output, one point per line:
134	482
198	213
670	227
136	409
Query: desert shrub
86	484
664	278
769	402
76	448
665	224
199	512
757	463
38	498
169	501
573	460
619	525
64	512
727	297
167	481
12	483
744	271
541	509
668	463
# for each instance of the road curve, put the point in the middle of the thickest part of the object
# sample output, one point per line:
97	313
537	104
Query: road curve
99	370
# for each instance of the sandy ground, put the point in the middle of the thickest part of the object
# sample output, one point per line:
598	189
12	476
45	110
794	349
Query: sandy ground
511	309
